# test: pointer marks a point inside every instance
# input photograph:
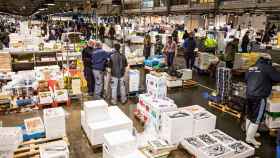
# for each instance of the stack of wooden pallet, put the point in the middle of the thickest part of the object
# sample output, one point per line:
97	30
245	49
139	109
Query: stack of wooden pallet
5	60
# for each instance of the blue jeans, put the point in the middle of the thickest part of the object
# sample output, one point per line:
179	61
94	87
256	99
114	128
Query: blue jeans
99	80
114	87
170	58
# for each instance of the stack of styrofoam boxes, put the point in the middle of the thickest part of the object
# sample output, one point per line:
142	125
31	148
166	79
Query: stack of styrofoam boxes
99	119
10	139
55	149
157	107
172	81
187	74
134	80
54	120
176	125
61	95
119	144
272	107
156	86
216	144
203	120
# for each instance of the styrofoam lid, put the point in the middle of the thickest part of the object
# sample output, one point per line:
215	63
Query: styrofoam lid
119	137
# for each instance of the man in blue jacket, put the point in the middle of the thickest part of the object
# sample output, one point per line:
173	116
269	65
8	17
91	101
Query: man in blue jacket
189	46
99	59
259	80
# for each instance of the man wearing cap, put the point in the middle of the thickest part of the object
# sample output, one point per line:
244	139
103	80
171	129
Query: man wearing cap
98	59
259	80
86	57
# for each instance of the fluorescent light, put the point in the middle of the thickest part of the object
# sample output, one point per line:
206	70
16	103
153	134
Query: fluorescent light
50	3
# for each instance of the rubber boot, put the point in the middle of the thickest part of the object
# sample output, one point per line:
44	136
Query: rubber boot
248	122
251	132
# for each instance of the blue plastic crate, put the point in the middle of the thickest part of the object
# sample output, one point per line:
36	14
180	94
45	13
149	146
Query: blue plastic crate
34	135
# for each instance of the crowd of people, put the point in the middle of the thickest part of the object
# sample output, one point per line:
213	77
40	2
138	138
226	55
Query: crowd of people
96	60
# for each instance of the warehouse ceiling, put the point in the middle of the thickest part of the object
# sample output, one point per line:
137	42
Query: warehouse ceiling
28	7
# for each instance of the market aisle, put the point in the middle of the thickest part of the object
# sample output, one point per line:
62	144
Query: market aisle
183	97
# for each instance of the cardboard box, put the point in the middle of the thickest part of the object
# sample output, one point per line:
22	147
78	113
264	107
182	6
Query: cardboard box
174	83
34	124
120	143
57	149
10	138
54	120
45	98
275	94
272	122
241	149
204	122
176	125
117	121
96	111
273	106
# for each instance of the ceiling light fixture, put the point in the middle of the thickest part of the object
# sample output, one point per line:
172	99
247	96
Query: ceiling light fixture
42	8
50	2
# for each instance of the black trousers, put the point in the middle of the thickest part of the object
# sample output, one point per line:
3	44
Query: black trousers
89	78
229	64
256	109
190	59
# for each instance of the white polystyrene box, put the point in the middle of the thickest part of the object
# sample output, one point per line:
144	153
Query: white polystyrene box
117	121
192	144
57	149
272	122
156	86
212	152
134	80
273	107
241	149
61	95
96	110
187	74
54	121
135	154
204	122
6	154
158	107
193	109
174	83
120	143
84	123
222	137
10	138
176	125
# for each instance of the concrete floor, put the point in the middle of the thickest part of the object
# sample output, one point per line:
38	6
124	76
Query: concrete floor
183	97
80	148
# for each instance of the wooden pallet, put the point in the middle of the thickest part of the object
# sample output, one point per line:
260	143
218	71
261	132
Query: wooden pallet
189	83
225	109
217	106
30	149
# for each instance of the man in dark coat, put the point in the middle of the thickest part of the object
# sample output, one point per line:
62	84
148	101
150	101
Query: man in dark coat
245	42
189	54
259	80
86	57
